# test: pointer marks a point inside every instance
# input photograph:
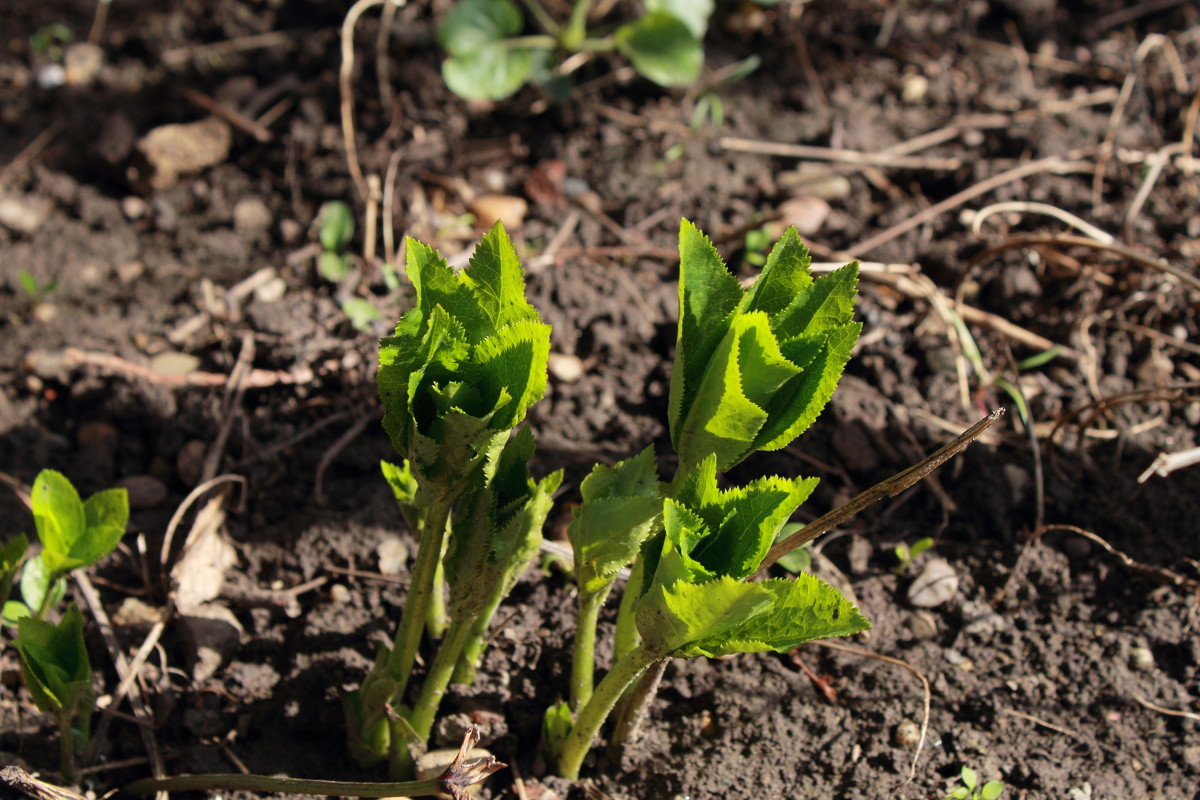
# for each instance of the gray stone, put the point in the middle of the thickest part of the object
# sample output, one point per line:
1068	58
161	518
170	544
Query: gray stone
937	583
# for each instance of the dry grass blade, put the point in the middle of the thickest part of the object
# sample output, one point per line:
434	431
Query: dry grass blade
887	488
1168	711
22	781
927	693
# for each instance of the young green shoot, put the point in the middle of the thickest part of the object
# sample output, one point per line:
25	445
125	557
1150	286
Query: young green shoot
906	554
971	790
459	374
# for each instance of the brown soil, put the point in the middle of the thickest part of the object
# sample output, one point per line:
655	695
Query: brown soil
1033	665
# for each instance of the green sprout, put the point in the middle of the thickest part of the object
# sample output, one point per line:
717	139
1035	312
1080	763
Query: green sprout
74	533
906	554
490	57
335	232
971	790
35	291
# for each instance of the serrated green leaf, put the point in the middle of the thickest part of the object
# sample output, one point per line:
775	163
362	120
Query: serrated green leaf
824	305
785	276
798	404
337	226
708	296
490	72
662	49
692	13
513	362
472	24
404	488
620	510
58	515
741	523
803	609
671	619
495	277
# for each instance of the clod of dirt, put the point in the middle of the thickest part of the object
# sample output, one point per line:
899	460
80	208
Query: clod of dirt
937	583
145	491
490	208
210	635
183	149
980	619
252	218
189	462
24	214
393	555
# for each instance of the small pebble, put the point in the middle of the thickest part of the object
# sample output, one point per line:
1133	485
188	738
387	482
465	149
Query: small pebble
913	88
134	613
907	734
51	76
567	369
1141	659
393	555
937	583
807	214
130	271
134	207
272	291
44	312
145	491
24	214
922	625
339	594
490	208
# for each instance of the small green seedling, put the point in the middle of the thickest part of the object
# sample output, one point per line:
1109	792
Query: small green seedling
12	556
906	554
49	40
489	55
74	533
54	661
335	231
971	790
36	292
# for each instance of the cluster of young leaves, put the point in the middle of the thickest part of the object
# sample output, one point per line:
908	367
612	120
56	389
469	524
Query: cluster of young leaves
54	660
753	370
459	374
490	58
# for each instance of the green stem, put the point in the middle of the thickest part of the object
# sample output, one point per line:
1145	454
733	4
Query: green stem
412	620
434	688
584	657
632	707
543	18
66	747
592	715
576	30
627	635
477	640
534	42
263	783
436	619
